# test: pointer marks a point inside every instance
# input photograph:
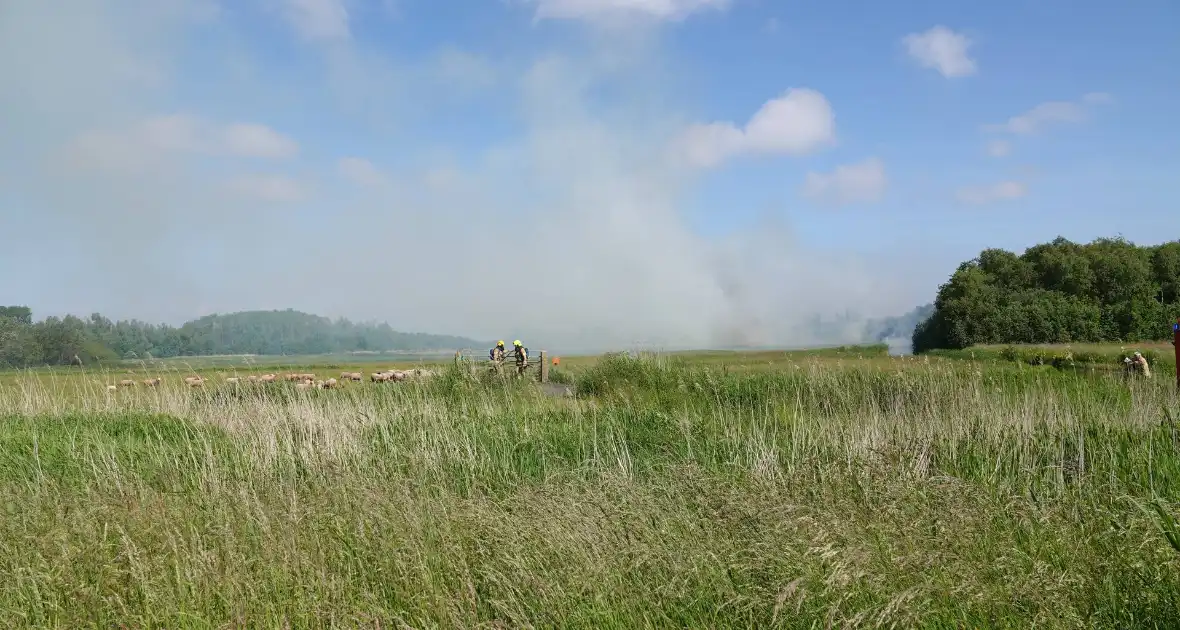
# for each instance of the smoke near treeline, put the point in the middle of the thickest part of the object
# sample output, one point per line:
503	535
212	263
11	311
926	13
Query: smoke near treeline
456	193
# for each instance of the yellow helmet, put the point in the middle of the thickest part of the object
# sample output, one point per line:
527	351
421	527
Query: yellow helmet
516	343
500	342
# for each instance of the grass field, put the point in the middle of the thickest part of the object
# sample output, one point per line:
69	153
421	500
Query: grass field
366	361
837	488
1090	356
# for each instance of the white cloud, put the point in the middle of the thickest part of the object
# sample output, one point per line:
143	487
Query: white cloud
1042	115
942	49
1001	191
267	187
463	69
319	20
595	10
175	132
999	148
861	182
798	122
138	146
711	144
360	171
1049	113
253	140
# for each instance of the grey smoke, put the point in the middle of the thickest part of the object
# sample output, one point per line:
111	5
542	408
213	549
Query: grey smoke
571	234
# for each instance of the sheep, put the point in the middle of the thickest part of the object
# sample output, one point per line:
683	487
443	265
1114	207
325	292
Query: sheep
112	388
126	383
303	385
328	384
194	381
268	378
233	380
153	382
379	377
402	375
351	376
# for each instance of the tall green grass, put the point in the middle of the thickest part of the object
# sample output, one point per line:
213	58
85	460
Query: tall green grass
1107	357
662	494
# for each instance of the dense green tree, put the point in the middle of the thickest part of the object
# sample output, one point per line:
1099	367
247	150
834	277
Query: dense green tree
1058	266
20	314
1007	270
1165	267
97	339
1057	292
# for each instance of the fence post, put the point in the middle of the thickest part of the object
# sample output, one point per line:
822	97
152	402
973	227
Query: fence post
544	367
1176	347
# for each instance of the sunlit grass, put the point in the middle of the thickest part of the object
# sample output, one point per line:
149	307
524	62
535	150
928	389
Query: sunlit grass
673	491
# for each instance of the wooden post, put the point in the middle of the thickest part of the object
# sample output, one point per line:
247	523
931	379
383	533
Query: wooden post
545	367
1176	348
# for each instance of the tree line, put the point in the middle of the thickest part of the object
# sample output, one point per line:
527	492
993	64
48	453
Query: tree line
1108	290
97	339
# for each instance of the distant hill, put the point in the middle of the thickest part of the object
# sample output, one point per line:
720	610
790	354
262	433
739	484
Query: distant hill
295	332
56	341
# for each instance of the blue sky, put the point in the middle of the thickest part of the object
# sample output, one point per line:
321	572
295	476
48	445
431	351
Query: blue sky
685	172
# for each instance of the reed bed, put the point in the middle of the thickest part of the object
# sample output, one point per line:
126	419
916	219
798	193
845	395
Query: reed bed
659	494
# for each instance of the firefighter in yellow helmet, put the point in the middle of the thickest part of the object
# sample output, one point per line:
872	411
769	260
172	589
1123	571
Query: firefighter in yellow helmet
522	357
497	356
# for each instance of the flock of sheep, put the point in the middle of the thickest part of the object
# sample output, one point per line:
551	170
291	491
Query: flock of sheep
301	380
